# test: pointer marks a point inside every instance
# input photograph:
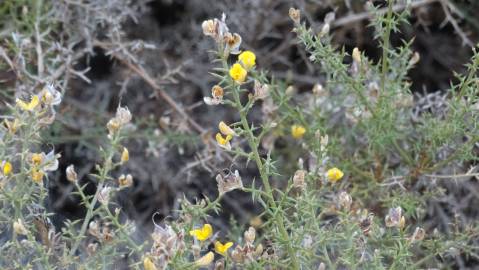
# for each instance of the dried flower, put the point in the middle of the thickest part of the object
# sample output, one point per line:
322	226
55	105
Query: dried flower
232	43
297	131
37	159
217	93
148	264
395	218
72	176
225	129
224	142
19	228
125	181
123	115
7	168
261	91
28	106
222	249
418	235
345	200
298	179
238	255
334	175
210	28
50	96
37	176
202	234
247	59
113	126
205	260
238	73
250	235
215	28
104	195
229	182
125	155
295	15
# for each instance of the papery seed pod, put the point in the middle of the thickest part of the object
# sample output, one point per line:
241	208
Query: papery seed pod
298	179
72	176
250	235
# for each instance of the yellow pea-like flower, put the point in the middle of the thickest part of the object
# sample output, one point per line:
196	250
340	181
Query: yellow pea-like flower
204	233
222	249
223	141
334	175
238	73
7	168
28	106
205	260
297	131
248	59
148	264
225	129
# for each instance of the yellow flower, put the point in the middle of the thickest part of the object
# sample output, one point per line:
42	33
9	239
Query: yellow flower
125	155
225	129
202	234
297	131
37	176
148	264
334	175
238	73
28	106
224	142
205	260
248	59
222	249
7	168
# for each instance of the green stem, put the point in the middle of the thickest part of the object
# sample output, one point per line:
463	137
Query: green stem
253	144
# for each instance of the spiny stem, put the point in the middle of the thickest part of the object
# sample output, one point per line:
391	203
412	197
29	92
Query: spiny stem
387	35
253	144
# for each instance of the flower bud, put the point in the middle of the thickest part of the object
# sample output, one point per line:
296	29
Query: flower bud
125	155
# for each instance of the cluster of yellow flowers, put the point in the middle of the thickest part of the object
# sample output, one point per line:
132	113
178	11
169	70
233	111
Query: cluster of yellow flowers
239	71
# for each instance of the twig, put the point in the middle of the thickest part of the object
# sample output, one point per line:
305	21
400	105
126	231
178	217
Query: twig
446	5
151	82
367	15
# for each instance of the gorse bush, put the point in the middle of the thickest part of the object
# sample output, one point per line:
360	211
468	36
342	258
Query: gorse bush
345	172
